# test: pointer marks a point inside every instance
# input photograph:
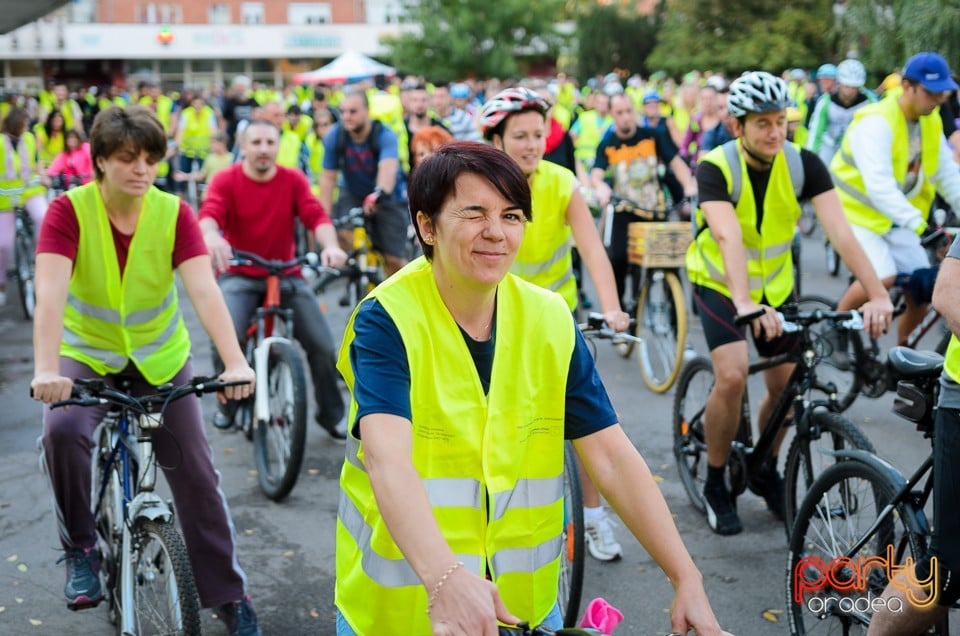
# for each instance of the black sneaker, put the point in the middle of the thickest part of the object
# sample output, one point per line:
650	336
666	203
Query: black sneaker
240	618
721	512
769	485
82	588
336	429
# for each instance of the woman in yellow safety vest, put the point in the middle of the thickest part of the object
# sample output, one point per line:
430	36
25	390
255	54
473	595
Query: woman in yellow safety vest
107	304
18	171
465	380
514	120
50	137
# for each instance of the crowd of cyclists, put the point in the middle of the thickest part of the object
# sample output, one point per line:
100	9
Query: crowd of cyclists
743	152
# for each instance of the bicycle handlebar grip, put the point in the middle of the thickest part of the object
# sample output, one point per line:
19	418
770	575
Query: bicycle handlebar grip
748	318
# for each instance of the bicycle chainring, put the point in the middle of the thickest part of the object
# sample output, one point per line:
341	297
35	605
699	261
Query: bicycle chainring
874	376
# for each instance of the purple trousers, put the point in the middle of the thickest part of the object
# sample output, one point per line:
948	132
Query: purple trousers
182	450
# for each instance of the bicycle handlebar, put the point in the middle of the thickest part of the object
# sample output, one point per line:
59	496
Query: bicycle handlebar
352	219
94	391
311	259
794	321
523	629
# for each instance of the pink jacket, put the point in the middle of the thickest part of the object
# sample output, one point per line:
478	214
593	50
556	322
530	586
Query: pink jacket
73	164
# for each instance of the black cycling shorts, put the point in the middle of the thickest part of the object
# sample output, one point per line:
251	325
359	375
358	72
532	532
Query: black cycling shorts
717	313
387	225
944	544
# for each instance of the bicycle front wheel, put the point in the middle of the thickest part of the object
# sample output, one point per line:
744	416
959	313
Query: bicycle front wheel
662	324
23	250
848	382
810	455
838	511
689	438
278	443
572	560
164	593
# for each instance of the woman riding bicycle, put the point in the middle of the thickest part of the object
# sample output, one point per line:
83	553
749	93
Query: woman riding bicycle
18	169
465	380
514	120
108	306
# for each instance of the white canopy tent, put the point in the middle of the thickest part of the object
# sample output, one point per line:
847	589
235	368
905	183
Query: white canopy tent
348	67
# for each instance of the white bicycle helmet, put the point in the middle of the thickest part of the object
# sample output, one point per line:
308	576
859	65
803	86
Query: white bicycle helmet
851	73
757	92
506	103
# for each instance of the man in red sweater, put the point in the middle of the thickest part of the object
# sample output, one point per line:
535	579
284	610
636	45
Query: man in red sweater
253	206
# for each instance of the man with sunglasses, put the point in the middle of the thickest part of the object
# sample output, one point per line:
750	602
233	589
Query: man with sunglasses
892	162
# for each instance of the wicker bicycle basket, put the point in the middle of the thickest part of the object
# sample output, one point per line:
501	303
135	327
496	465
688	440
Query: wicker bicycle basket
658	244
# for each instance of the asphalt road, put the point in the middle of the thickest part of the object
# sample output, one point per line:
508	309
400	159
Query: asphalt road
288	548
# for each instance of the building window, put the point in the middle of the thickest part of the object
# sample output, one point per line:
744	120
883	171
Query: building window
251	13
160	13
219	13
309	13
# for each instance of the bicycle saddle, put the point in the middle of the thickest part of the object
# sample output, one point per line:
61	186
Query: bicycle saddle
910	363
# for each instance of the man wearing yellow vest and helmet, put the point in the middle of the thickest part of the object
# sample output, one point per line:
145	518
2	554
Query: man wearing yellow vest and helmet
451	505
892	162
740	263
107	304
944	549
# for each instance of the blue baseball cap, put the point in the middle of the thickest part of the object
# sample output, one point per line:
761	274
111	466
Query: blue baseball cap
459	91
652	96
931	71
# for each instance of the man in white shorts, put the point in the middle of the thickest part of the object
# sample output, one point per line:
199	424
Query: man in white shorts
893	160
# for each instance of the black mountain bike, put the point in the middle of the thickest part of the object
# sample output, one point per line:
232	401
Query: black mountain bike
807	404
863	508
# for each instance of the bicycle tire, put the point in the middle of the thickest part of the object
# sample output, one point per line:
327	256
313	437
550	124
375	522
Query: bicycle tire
802	466
663	330
573	559
23	250
842	504
108	518
832	259
278	444
161	557
847	381
689	441
807	223
631	307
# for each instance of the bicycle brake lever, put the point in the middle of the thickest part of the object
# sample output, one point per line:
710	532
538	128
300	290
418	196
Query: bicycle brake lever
855	323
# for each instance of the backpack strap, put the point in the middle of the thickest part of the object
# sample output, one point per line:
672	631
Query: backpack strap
373	140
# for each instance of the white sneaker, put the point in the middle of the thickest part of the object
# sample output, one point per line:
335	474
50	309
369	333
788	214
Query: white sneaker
601	542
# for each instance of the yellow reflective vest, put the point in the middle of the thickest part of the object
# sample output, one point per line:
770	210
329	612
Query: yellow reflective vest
857	205
769	260
545	257
288	153
111	319
592	127
11	176
491	464
198	129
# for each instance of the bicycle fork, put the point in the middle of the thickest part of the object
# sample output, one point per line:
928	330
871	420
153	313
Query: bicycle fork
261	362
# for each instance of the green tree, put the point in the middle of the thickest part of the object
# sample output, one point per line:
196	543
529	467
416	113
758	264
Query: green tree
615	37
747	35
482	38
885	33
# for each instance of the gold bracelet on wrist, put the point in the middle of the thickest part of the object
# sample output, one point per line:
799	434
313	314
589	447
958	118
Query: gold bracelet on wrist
436	588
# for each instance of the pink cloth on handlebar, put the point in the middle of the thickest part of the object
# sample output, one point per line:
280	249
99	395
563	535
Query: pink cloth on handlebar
601	615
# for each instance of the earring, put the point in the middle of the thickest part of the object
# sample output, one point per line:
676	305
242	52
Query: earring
428	239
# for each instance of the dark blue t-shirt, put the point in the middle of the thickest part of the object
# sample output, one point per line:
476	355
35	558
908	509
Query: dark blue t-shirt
382	374
359	173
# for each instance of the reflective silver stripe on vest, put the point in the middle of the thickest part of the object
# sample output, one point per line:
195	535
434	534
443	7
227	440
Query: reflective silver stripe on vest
104	314
112	316
386	572
443	492
147	350
854	194
773	251
772	275
528	493
526	270
108	358
554	286
146	315
526	560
